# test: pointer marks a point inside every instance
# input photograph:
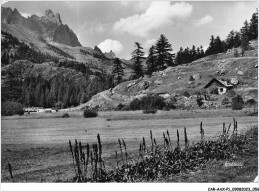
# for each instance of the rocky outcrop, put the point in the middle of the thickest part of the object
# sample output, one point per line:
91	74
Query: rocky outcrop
48	27
110	55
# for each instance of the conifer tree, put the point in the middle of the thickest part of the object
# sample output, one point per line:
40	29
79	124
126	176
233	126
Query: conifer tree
164	57
151	60
138	56
253	26
117	71
245	29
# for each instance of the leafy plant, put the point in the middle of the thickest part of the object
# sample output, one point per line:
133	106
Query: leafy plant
225	101
237	103
9	108
89	113
65	115
156	161
153	111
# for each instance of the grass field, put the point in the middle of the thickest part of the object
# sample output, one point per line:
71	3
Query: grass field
37	145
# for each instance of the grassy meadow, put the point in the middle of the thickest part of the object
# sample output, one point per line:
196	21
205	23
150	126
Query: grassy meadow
36	145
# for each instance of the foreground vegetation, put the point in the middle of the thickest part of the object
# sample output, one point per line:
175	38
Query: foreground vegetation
158	162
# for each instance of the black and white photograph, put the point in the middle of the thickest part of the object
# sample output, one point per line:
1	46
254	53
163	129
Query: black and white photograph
138	92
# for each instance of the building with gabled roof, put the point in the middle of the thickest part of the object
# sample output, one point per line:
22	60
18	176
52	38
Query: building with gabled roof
221	85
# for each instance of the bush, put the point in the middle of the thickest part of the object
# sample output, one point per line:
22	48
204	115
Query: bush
250	102
167	108
65	115
148	102
11	108
237	103
89	113
225	101
231	93
171	102
134	105
199	100
152	111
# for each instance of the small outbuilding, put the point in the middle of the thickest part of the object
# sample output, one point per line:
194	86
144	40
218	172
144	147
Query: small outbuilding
221	85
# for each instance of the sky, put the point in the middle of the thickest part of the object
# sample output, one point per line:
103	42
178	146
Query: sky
117	25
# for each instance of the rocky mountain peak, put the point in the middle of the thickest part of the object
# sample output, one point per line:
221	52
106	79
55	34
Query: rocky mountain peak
49	13
50	17
48	26
97	49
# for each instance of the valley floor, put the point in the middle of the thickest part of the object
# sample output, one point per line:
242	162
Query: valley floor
37	145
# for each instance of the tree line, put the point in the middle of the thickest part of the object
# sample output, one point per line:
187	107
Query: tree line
160	56
12	49
248	32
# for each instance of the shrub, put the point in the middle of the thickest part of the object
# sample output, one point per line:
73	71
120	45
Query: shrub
89	113
152	111
199	100
250	102
237	103
65	115
167	108
171	102
225	101
150	101
134	105
231	93
11	108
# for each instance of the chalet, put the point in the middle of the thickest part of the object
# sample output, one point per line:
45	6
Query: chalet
221	85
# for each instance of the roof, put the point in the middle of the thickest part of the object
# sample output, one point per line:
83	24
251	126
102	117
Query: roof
224	83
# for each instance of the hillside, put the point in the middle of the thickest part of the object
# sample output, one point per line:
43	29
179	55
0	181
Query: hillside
174	81
50	84
39	35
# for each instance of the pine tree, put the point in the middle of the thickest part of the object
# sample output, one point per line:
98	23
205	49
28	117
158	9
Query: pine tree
211	48
151	60
218	46
245	29
202	54
244	42
253	26
179	57
237	39
162	49
138	56
230	40
117	71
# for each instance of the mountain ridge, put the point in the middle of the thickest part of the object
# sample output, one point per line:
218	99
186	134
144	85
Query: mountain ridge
49	27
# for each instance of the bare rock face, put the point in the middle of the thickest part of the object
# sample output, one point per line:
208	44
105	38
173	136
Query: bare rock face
49	26
110	55
240	73
50	17
196	77
234	81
